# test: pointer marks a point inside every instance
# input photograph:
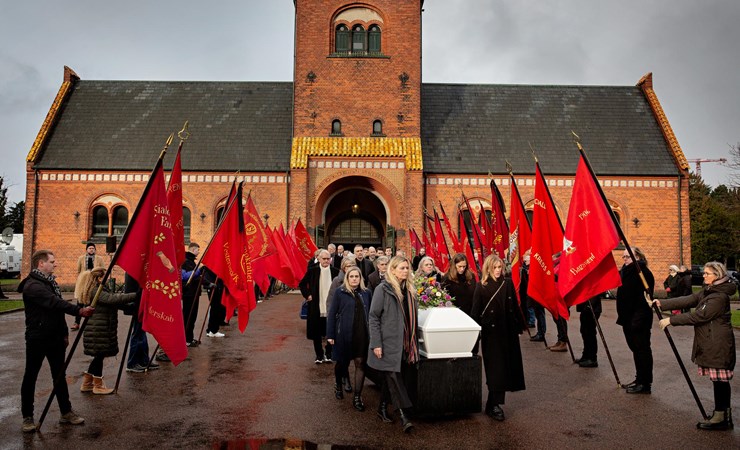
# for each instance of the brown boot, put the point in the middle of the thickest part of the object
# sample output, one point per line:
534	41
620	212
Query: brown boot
559	347
87	382
99	387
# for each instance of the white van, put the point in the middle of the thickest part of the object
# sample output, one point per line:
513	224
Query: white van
10	262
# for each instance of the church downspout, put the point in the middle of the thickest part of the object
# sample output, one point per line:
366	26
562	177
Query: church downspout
680	225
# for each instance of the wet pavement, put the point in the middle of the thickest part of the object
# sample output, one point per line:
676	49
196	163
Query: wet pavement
263	390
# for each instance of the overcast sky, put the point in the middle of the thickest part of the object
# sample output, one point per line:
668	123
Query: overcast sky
687	44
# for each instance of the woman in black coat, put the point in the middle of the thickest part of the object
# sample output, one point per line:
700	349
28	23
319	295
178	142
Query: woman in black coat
714	341
460	283
347	332
636	318
427	269
495	310
101	332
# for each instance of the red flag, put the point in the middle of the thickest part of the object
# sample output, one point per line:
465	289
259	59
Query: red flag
486	229
520	239
456	247
499	229
304	242
174	200
260	244
429	246
414	238
547	238
477	234
587	267
279	264
465	241
147	253
432	250
297	263
228	257
442	250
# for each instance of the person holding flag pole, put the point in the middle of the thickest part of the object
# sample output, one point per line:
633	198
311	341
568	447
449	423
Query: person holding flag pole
646	287
587	266
547	238
148	257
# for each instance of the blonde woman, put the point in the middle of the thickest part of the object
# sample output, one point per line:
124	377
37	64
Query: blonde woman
495	310
347	332
393	340
101	333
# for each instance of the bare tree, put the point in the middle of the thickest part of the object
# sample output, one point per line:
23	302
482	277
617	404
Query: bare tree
734	164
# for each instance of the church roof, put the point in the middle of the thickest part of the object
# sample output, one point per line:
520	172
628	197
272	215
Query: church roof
477	128
123	125
247	126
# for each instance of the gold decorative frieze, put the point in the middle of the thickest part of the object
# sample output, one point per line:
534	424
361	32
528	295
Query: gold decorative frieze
646	84
358	147
51	116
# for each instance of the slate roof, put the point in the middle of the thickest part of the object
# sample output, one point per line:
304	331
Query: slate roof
476	128
123	125
247	126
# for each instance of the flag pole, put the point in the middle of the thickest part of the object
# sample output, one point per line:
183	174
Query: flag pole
471	244
562	230
59	378
521	203
210	300
124	353
645	286
474	224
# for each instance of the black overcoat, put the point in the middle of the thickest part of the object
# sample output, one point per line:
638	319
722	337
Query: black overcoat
340	321
501	324
632	309
309	285
462	290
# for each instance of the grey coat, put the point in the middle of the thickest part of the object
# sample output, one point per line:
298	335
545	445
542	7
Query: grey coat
386	328
714	341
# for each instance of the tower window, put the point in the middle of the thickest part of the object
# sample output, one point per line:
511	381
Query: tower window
377	128
359	39
341	41
336	127
373	36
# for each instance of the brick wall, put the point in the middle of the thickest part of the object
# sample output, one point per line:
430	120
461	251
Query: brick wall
357	90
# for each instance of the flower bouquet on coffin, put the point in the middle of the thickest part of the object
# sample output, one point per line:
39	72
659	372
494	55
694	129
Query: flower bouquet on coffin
432	294
444	330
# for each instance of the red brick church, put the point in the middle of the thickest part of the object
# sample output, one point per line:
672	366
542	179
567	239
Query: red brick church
357	146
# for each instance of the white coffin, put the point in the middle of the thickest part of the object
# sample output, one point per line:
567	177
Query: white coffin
446	333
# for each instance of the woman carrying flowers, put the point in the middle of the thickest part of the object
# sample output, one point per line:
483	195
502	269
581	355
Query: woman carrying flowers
495	310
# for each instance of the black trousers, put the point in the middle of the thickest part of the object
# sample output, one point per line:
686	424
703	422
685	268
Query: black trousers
562	326
394	390
588	333
218	311
189	305
36	352
96	366
638	340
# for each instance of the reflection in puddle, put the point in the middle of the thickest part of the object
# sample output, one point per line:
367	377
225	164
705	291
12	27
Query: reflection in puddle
279	444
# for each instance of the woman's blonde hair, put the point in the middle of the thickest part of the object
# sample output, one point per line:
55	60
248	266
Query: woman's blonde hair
488	265
395	283
419	270
718	269
347	262
87	283
345	283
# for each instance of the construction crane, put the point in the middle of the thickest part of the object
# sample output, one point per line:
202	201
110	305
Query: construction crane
698	162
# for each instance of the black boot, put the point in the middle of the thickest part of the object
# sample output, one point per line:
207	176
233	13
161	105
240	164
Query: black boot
405	422
357	403
720	420
383	413
347	385
338	391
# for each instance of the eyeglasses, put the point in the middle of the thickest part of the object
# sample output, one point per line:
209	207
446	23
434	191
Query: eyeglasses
626	257
707	274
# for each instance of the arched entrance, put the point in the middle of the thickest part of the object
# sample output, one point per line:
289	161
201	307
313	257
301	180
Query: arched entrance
355	210
355	216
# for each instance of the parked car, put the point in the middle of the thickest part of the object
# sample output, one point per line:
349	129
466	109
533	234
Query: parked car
734	276
696	275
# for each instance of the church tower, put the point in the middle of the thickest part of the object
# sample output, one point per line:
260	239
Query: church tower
356	116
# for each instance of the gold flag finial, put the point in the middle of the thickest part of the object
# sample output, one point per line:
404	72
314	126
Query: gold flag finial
184	134
166	145
509	168
577	140
531	147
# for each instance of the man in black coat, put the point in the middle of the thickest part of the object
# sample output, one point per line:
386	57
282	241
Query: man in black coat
46	336
366	266
636	318
338	257
315	289
417	259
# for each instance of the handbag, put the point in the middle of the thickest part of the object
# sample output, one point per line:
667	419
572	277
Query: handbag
304	310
